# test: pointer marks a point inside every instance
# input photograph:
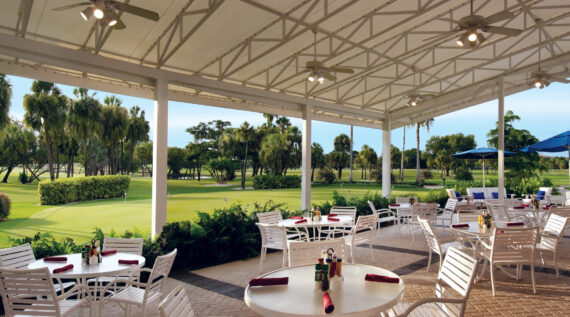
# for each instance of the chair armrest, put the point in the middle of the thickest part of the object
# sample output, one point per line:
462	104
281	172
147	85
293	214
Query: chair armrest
121	280
73	291
431	300
388	212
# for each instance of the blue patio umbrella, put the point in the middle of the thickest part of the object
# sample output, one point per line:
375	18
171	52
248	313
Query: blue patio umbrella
481	153
557	143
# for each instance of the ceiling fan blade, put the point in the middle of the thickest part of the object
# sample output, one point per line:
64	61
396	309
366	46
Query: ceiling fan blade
450	20
71	6
499	16
442	36
328	76
560	80
120	25
341	70
151	15
502	30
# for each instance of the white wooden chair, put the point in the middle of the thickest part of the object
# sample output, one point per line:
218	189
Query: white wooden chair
502	212
20	256
550	238
384	215
176	304
273	218
31	292
425	211
437	244
304	253
454	284
511	247
138	293
362	232
272	237
350	211
561	211
447	212
404	214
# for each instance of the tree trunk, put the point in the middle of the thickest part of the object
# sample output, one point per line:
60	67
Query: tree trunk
339	174
120	163
244	167
57	163
418	179
130	162
85	152
49	156
199	170
402	156
5	179
362	173
351	143
312	174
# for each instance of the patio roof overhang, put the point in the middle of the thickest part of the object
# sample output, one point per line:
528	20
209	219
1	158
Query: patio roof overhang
250	54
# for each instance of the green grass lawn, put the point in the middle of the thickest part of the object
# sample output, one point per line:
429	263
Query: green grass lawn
185	199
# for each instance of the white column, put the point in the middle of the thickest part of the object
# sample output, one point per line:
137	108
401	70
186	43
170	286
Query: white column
159	156
386	158
306	159
501	144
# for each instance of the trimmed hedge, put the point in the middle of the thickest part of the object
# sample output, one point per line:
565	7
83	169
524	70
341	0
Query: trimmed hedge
5	205
276	181
66	190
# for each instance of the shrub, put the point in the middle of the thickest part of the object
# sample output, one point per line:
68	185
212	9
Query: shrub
546	182
426	174
326	175
5	205
360	202
376	175
276	181
23	178
222	169
463	175
66	190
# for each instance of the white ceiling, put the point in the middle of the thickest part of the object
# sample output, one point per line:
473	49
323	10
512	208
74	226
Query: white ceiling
264	44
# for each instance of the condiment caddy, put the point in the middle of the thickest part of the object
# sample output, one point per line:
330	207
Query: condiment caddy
328	272
90	254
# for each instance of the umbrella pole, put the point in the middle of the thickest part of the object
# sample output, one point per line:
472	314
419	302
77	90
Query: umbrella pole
483	172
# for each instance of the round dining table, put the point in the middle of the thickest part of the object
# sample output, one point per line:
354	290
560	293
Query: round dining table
355	297
343	221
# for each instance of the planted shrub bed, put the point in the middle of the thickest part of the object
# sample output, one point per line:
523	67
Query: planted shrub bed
66	190
276	181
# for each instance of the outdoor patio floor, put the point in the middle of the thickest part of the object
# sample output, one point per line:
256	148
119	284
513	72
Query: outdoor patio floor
218	290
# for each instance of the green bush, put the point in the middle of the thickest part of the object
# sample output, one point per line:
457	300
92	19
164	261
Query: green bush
276	181
426	175
546	182
360	202
66	190
376	175
326	175
5	205
463	175
23	178
222	169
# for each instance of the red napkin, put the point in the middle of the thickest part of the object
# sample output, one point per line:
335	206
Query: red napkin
300	221
381	278
269	281
55	259
394	205
333	215
518	207
545	208
328	305
63	269
108	252
461	225
296	217
511	224
524	205
333	219
128	261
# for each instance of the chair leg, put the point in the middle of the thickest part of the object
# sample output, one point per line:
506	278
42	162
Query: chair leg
429	261
262	258
352	253
556	265
371	253
284	264
492	277
440	262
532	277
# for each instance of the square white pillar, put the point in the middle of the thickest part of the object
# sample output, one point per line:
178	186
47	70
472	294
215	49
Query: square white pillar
306	159
159	156
501	143
386	158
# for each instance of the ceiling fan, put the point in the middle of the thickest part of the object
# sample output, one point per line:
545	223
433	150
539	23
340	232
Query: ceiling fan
416	98
540	78
473	25
104	11
318	71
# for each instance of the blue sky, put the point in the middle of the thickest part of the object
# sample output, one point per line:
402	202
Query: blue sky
544	112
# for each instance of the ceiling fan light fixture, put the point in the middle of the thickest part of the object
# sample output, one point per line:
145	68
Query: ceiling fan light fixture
473	35
311	78
111	17
462	40
98	10
413	102
87	13
321	79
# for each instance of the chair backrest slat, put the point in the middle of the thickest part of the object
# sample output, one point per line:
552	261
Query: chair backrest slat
176	304
304	253
31	290
426	211
450	204
372	207
273	235
17	257
366	222
516	243
432	241
132	246
159	275
345	211
272	217
405	200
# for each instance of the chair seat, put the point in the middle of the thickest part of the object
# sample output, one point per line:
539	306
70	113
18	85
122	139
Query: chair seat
66	307
455	244
132	295
427	310
387	219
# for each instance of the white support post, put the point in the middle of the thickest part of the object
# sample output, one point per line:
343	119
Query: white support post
501	145
306	159
386	159
159	156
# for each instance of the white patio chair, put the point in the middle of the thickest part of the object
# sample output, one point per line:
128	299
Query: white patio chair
511	247
31	292
304	253
138	293
20	256
350	211
447	212
502	212
176	304
561	211
405	200
425	211
454	284
550	238
384	215
273	218
437	244
272	237
362	232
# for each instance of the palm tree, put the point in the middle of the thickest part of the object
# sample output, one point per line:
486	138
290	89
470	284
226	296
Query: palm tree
246	134
85	119
427	124
136	132
283	123
5	99
317	158
269	117
46	111
115	126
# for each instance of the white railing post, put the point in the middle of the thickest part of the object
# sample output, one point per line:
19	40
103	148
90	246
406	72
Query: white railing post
386	157
306	159
159	156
